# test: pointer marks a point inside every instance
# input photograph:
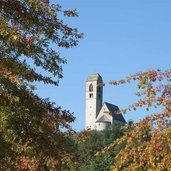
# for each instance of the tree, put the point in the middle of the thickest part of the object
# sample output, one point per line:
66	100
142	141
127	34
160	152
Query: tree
86	144
147	146
30	131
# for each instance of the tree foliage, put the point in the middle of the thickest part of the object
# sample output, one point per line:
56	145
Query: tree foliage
86	144
147	146
30	127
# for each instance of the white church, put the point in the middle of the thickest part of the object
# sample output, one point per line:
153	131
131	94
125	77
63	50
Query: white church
99	115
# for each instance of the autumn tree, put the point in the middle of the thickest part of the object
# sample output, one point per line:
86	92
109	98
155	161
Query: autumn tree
30	127
147	146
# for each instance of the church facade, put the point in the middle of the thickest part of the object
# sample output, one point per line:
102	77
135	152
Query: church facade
99	115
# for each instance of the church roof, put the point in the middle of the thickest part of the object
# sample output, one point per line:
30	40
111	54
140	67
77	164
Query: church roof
113	109
94	77
103	119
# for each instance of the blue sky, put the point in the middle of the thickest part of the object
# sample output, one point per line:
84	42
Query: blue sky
121	37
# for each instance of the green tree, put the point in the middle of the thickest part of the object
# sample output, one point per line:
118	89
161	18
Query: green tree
30	127
87	143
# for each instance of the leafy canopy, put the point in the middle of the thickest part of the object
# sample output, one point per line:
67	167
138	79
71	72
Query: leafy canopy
147	146
30	131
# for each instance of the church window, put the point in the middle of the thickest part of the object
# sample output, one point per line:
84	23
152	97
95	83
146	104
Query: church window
91	87
91	95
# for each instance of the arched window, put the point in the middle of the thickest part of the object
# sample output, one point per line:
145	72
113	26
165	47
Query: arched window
91	87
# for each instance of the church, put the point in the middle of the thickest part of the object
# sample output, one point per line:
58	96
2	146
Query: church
99	115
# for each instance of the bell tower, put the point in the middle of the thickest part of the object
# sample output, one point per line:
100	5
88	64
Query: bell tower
94	99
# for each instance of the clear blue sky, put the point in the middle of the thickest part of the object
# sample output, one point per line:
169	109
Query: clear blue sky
120	37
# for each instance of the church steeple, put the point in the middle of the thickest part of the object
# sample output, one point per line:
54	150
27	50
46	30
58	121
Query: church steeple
94	99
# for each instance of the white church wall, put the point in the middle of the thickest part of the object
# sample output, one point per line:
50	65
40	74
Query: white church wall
93	104
105	111
103	125
90	106
100	126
